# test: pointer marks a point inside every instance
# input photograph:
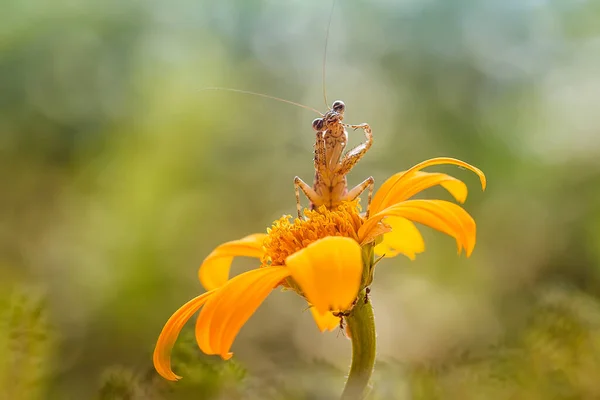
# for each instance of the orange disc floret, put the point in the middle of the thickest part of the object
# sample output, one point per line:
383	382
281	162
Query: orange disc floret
285	238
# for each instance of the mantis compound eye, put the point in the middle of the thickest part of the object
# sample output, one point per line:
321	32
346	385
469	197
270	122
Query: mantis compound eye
338	106
318	124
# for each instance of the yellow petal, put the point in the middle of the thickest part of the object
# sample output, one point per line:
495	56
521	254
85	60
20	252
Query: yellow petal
232	305
444	216
325	322
168	336
214	271
402	186
406	184
328	271
404	238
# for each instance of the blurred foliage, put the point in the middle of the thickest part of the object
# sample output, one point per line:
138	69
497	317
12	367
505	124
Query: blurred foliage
26	345
118	174
555	355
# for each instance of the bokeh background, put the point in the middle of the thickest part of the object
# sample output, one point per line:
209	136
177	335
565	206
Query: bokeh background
118	175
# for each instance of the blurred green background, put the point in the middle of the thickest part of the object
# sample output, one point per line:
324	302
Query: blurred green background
119	175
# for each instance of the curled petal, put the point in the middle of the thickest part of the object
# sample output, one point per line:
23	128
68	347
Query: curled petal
404	238
170	332
214	271
325	322
328	271
444	216
406	184
375	232
232	305
401	187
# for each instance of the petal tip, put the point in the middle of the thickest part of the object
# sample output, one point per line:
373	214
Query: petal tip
174	378
168	374
483	182
327	328
469	251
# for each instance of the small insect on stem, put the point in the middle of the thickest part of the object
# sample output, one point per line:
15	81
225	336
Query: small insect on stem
341	315
330	187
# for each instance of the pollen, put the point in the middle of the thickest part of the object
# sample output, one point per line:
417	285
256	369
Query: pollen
285	238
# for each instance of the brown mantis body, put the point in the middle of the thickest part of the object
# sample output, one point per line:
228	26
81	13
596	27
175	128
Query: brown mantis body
330	186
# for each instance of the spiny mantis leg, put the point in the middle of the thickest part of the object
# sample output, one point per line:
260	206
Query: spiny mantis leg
354	155
308	191
358	189
320	163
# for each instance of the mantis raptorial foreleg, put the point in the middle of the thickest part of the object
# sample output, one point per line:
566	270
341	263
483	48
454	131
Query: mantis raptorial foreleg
310	193
358	189
354	155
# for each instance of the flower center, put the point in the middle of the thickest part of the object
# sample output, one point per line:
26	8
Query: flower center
285	238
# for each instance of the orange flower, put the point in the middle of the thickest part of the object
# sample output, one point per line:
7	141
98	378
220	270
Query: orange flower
325	257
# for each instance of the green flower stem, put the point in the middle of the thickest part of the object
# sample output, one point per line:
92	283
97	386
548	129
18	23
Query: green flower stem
361	326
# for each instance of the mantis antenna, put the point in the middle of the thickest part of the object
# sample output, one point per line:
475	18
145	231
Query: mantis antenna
325	53
265	96
288	101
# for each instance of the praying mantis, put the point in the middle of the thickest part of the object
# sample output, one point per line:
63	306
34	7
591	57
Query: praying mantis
330	187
